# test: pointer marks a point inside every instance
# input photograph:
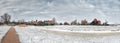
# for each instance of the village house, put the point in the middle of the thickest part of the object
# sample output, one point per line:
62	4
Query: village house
84	22
45	22
48	22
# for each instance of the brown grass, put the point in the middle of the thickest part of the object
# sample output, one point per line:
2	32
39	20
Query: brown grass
22	25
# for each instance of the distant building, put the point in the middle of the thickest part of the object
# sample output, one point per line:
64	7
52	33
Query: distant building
74	22
33	22
99	22
84	22
40	22
46	22
49	22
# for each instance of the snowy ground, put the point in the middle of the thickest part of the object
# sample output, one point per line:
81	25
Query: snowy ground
3	31
85	28
38	34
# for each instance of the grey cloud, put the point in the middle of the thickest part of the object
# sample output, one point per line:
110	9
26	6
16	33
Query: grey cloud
62	10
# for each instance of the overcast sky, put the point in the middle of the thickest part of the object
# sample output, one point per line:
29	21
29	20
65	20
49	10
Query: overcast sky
62	10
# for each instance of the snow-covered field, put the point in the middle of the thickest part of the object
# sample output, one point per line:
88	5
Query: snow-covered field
42	34
85	28
3	31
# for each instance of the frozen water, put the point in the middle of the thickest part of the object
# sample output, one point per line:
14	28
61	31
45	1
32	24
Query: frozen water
36	34
85	28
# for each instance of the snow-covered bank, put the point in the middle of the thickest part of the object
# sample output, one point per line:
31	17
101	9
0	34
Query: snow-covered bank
83	31
3	31
35	34
85	28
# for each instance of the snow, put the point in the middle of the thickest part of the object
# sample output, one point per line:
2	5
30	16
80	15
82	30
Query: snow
85	28
40	34
3	31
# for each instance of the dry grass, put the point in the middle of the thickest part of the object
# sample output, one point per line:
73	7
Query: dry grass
22	25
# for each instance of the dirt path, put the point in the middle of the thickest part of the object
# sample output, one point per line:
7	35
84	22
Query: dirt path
11	37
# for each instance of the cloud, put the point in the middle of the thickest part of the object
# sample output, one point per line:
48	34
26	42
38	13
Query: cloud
62	10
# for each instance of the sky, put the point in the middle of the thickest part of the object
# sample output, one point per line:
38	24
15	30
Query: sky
62	10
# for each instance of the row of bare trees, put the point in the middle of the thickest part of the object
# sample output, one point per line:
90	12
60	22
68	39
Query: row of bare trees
5	19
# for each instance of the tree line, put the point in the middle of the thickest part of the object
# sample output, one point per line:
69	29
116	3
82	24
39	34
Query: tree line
5	19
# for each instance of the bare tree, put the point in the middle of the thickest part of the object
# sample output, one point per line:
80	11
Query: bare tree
6	18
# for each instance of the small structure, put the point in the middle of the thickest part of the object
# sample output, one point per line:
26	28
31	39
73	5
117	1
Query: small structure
74	22
49	22
84	22
42	23
99	22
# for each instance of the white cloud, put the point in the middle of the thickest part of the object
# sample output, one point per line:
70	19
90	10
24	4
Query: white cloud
62	9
